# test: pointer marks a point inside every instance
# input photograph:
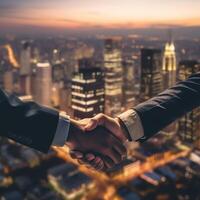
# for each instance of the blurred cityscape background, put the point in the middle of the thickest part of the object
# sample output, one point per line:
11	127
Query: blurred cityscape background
87	68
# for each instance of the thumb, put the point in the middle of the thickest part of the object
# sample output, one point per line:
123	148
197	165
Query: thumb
76	154
92	124
98	120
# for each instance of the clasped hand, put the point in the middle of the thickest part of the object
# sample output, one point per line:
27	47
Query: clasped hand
97	142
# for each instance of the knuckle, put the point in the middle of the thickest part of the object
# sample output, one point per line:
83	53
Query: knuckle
101	115
93	121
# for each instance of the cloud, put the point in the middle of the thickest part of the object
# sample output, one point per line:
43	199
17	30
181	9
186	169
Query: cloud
77	22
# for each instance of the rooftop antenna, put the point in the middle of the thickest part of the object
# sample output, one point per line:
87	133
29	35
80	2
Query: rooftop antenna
170	35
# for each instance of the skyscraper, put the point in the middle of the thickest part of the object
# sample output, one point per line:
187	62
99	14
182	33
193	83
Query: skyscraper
43	83
113	76
8	82
169	65
87	90
151	73
58	77
25	69
189	125
128	84
169	70
25	59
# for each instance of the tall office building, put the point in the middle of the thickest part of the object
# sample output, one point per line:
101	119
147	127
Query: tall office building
25	59
58	72
169	65
151	73
56	56
128	84
87	90
189	125
56	94
113	76
25	69
43	83
8	82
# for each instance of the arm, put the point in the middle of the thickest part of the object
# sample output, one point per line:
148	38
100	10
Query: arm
148	118
27	123
158	112
40	127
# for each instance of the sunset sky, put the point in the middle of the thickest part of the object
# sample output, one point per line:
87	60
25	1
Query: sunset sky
101	13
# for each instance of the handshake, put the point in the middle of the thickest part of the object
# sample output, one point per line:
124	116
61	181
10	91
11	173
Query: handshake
97	142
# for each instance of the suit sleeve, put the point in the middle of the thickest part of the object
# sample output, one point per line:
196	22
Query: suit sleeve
158	112
27	123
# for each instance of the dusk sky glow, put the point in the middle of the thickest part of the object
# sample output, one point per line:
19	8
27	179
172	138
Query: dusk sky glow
103	13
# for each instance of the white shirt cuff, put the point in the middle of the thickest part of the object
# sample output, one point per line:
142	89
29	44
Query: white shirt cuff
62	130
133	124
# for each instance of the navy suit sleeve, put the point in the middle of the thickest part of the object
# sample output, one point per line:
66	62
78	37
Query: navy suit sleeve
27	123
160	111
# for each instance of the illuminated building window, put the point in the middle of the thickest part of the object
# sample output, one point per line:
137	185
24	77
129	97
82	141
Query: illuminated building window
87	90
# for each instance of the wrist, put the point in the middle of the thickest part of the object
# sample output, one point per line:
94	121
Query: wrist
73	129
123	130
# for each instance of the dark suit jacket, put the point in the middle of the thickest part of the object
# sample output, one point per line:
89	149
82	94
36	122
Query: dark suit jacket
160	111
27	123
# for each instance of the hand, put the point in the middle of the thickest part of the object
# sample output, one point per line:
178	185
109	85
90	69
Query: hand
99	141
112	125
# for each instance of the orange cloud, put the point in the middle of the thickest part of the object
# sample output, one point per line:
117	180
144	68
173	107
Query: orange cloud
74	23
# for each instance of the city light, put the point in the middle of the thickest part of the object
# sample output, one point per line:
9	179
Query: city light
83	58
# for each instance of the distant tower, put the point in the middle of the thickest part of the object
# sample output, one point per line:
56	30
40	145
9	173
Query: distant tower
43	83
55	58
8	81
25	70
128	83
25	59
151	73
113	76
169	64
189	125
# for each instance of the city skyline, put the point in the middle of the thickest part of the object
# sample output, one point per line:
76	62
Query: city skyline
106	14
86	76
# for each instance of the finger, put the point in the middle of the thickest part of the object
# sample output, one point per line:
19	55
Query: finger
85	163
121	149
114	155
84	121
108	163
100	165
89	157
111	152
95	162
92	124
81	161
118	146
76	154
98	120
98	160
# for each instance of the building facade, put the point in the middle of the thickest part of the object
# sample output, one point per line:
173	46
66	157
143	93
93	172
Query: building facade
151	73
25	69
88	90
169	65
113	76
128	84
189	125
43	83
